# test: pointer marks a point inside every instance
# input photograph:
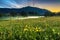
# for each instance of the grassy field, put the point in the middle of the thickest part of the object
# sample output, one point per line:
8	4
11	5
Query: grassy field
45	28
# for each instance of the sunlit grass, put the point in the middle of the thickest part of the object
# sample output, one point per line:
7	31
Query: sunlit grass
45	28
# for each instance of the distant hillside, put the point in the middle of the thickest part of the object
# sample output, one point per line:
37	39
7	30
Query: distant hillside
34	11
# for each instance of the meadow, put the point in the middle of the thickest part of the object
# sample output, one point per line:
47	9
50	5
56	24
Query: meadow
44	28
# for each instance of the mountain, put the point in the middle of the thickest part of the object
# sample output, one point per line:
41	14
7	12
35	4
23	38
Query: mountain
29	10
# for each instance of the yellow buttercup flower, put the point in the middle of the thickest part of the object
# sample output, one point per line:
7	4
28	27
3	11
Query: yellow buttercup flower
25	29
58	33
37	30
53	30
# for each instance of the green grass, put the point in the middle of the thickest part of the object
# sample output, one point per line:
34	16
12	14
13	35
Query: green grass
46	28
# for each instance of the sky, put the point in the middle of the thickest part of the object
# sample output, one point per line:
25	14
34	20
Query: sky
52	5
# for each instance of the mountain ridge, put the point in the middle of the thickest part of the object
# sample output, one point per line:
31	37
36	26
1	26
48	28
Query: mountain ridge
27	9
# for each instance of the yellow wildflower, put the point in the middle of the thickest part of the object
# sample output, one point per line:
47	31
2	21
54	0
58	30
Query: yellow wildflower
53	30
58	33
26	26
37	30
25	29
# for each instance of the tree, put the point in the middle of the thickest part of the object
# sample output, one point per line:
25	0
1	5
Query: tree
1	14
58	14
23	13
49	14
13	13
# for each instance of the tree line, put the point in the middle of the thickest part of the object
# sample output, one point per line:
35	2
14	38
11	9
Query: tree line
52	14
29	14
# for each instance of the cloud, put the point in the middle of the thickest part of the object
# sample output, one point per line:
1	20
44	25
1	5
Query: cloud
22	3
12	3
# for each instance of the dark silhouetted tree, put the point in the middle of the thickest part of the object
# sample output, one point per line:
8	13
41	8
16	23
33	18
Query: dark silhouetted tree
23	13
58	14
33	14
1	14
49	14
13	14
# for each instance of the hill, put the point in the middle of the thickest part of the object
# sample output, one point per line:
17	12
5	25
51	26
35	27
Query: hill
30	11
